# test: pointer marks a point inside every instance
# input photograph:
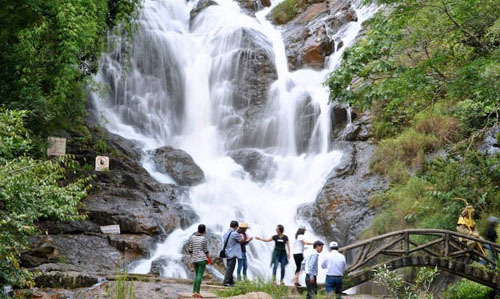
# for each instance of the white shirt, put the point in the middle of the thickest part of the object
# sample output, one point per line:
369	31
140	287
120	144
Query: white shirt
334	263
298	245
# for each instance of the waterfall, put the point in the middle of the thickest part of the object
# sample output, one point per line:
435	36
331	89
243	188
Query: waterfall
192	83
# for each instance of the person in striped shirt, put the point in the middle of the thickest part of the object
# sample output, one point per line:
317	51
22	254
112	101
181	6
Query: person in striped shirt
198	249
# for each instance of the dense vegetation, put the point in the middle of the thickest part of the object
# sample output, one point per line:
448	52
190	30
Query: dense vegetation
429	73
49	51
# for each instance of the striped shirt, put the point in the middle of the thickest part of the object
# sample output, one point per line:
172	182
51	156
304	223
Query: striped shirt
198	247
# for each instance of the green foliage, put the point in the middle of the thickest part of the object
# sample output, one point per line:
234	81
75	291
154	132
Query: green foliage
49	50
417	54
466	289
428	200
29	190
123	289
401	289
285	11
258	285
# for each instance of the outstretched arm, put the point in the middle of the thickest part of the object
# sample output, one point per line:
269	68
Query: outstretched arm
307	242
264	239
288	249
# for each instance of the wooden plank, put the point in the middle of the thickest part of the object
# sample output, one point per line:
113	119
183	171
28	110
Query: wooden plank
375	253
426	250
425	245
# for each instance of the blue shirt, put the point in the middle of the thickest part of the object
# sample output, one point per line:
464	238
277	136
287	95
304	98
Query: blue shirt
233	248
312	264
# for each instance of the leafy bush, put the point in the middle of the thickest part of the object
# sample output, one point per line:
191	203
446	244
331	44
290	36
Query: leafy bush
29	190
466	289
408	148
419	288
285	11
258	285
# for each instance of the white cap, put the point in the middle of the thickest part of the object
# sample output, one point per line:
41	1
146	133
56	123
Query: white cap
333	244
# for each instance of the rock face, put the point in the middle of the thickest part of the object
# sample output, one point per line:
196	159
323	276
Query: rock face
179	165
308	37
125	195
341	209
261	167
306	114
491	142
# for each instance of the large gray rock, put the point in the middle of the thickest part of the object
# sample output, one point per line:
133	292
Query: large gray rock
306	115
179	165
341	209
491	142
261	167
308	37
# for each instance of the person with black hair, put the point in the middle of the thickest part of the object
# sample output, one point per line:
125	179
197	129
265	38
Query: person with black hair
242	262
298	252
198	250
311	268
232	251
281	252
492	236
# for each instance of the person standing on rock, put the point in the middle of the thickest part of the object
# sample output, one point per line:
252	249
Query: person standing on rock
335	265
232	251
298	252
311	268
198	249
242	262
281	252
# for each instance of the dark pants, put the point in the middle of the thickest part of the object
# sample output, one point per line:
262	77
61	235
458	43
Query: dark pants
283	260
312	288
228	277
298	258
334	283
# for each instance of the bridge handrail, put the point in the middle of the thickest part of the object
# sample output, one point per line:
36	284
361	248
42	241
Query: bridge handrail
423	231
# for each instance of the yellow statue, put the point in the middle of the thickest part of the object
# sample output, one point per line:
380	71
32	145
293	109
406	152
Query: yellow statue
467	226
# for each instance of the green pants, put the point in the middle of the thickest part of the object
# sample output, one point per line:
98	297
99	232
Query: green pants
199	269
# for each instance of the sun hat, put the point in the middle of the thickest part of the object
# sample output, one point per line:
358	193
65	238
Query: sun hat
244	225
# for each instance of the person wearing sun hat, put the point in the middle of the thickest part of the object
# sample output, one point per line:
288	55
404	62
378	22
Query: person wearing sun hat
335	265
243	262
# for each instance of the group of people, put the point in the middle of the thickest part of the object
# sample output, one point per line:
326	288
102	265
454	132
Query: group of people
235	241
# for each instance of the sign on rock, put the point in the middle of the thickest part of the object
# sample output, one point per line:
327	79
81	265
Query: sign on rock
101	163
111	229
57	146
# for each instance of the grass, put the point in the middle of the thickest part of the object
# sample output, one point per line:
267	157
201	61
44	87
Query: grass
258	285
285	11
123	289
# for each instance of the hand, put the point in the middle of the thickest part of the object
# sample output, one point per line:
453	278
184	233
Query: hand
209	261
257	238
250	239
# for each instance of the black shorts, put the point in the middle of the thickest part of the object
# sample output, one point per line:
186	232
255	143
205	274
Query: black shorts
298	257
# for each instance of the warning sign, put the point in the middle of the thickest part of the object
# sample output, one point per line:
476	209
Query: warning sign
57	146
101	163
111	229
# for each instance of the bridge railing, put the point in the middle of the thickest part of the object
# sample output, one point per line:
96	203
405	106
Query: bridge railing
432	242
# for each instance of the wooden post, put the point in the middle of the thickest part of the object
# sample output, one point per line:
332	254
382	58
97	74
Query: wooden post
446	244
406	243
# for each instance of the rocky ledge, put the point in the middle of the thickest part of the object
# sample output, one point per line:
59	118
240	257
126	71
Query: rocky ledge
126	195
341	211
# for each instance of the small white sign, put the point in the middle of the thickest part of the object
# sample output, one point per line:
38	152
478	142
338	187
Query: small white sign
111	229
57	146
101	163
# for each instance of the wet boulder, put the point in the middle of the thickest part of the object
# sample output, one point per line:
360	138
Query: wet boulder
308	39
179	165
261	167
306	115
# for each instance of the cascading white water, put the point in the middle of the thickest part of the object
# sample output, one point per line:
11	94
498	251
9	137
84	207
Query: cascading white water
179	90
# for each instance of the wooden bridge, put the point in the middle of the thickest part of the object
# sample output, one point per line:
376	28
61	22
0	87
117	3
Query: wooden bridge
446	250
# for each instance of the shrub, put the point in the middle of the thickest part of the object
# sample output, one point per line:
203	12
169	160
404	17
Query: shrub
258	285
29	190
408	148
285	11
466	289
445	128
399	288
